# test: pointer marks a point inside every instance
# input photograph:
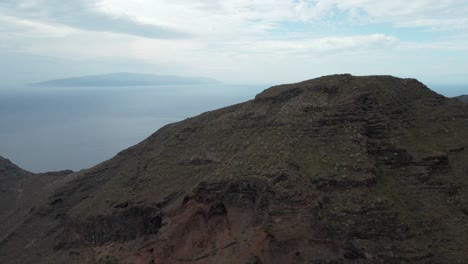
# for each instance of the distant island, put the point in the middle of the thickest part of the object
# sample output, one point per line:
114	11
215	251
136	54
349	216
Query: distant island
125	79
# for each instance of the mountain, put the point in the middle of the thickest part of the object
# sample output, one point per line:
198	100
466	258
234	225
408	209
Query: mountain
462	98
9	170
338	169
20	192
126	79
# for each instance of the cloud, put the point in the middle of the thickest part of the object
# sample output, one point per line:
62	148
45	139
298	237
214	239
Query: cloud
14	26
451	44
245	39
216	18
230	17
432	14
83	14
325	44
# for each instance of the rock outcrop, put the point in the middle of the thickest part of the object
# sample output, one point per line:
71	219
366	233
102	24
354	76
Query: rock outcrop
339	169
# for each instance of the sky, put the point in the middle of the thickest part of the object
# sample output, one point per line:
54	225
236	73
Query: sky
234	41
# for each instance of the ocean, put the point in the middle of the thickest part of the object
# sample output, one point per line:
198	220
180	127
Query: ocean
47	129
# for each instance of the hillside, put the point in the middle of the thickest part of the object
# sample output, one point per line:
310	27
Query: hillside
125	79
10	177
20	192
338	169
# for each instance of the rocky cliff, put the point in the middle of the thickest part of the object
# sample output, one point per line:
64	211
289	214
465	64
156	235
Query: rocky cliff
339	169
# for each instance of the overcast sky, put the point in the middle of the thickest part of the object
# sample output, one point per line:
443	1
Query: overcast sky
242	41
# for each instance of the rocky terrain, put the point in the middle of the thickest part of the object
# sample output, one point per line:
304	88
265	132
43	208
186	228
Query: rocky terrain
338	169
21	191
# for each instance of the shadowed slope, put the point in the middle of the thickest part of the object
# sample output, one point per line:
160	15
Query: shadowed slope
20	192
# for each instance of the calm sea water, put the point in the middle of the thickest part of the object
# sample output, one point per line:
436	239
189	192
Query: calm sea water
44	129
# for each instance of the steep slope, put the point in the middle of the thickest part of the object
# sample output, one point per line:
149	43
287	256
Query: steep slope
10	178
339	169
20	191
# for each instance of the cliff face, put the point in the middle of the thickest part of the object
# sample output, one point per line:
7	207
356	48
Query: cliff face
339	169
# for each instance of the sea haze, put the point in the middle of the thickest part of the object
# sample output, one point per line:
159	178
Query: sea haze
55	128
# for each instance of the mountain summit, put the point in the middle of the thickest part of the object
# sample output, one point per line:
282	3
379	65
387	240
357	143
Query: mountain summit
338	169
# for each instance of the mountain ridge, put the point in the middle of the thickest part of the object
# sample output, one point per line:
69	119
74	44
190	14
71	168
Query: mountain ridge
7	168
337	169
